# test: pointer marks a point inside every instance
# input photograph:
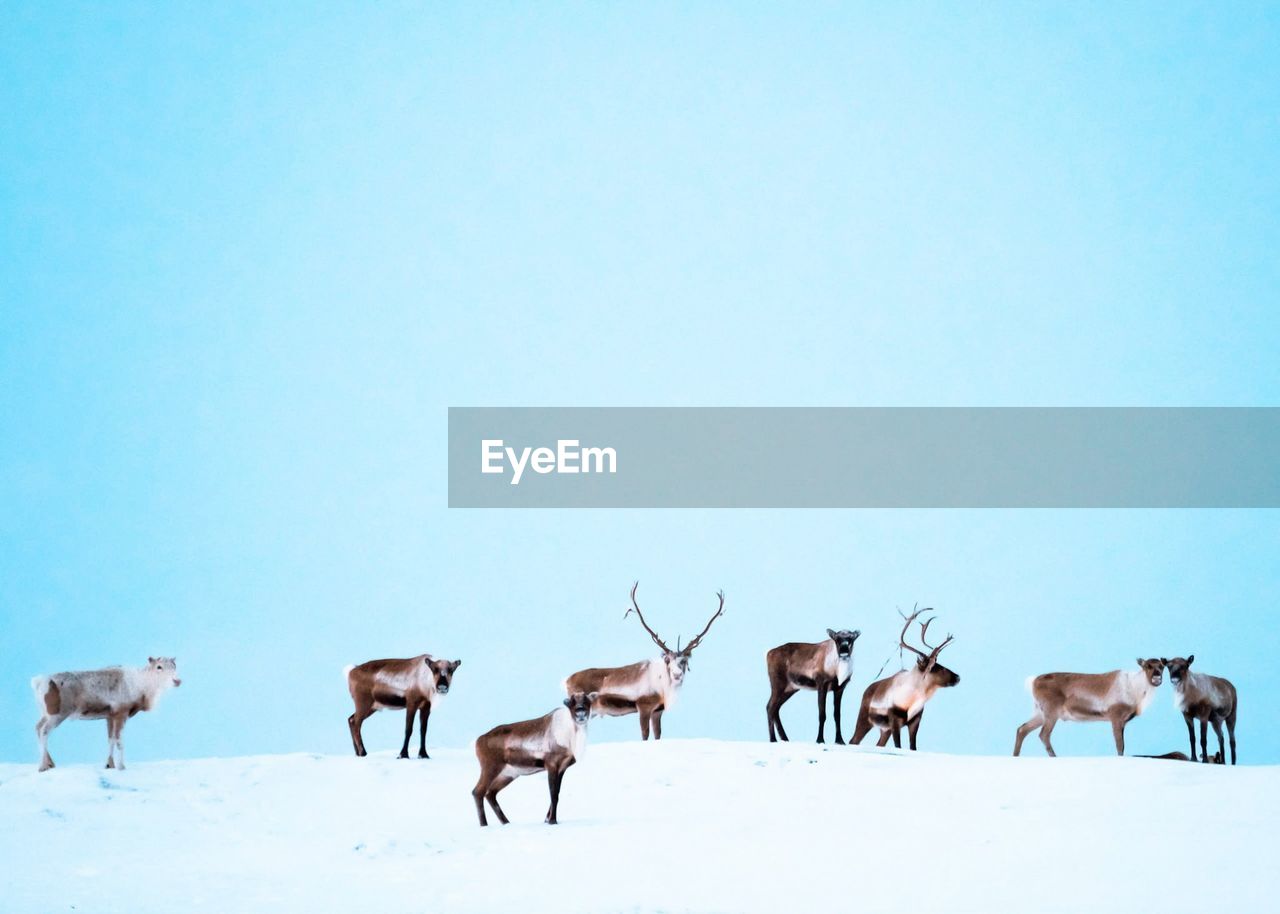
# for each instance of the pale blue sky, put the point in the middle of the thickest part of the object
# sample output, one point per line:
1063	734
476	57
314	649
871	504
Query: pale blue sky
252	255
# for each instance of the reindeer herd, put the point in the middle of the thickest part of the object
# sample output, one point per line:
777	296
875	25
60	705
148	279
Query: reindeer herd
554	742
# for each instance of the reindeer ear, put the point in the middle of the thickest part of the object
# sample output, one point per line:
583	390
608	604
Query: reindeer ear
1191	659
568	702
457	663
151	660
1164	661
1139	661
857	633
831	634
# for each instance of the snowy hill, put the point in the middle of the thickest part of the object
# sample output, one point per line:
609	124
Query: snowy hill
674	826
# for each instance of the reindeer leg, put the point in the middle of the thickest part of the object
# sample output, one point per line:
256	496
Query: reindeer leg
1117	730
1231	733
409	710
644	711
1217	728
775	714
884	737
1046	731
364	709
1026	729
120	722
498	783
111	742
423	716
913	727
1204	739
555	773
477	794
555	791
1191	734
656	717
862	726
45	725
822	710
839	695
896	724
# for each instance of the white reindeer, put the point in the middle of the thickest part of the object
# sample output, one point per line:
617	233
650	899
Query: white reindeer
114	694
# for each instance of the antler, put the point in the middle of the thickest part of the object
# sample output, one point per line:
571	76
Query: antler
902	638
934	651
652	634
688	649
930	658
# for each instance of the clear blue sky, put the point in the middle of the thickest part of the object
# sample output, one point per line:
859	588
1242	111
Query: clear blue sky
252	254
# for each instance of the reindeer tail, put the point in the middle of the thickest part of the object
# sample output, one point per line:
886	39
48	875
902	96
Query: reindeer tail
346	670
48	695
1031	689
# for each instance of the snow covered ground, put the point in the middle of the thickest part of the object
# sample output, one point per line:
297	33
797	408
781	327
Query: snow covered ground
680	825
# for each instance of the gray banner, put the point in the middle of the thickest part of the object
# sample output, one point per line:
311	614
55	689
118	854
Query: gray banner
1034	457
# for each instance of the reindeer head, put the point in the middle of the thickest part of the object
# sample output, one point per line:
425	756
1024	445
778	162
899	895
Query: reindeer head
677	666
1153	669
844	641
164	668
443	671
1179	668
928	663
579	705
677	661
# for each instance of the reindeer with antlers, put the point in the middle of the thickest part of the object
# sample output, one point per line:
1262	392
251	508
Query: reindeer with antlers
648	687
899	700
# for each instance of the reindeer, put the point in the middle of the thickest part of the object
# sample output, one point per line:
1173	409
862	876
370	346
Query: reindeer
1183	757
648	687
114	694
824	666
416	684
553	742
899	699
1118	696
1208	699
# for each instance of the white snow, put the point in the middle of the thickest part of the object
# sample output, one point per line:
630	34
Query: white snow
675	826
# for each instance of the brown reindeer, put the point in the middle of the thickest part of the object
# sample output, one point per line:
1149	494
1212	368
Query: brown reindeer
824	666
1208	699
899	700
648	687
416	684
1118	696
1183	757
551	743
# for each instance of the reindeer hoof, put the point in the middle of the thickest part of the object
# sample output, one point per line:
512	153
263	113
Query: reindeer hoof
111	763
839	741
403	755
423	755
821	740
46	766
